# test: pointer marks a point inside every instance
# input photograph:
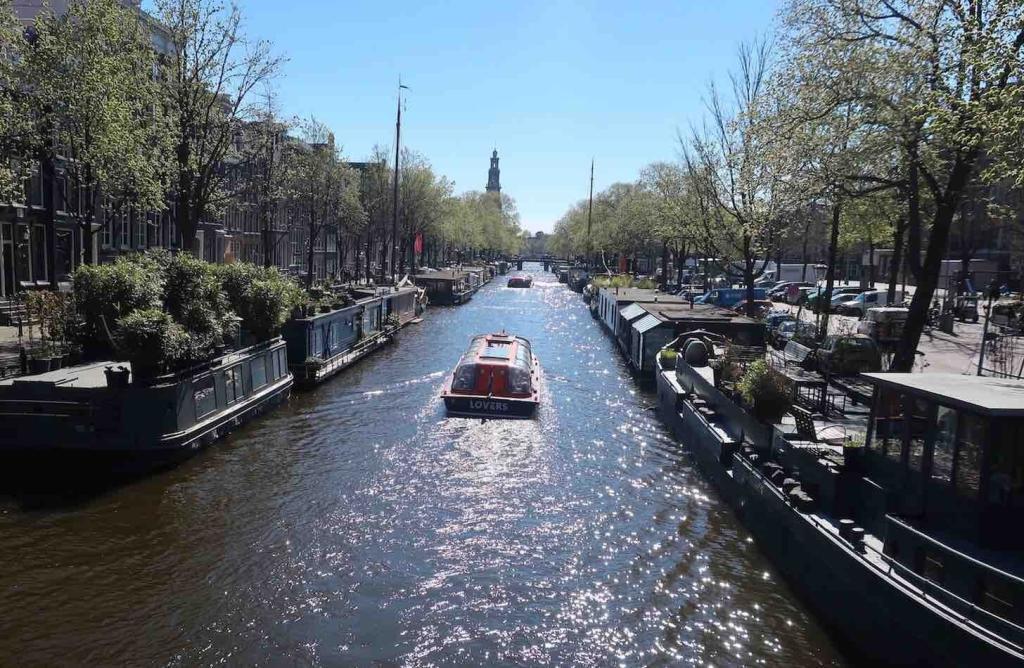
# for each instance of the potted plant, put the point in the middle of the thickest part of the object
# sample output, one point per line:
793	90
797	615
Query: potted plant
762	390
853	451
313	363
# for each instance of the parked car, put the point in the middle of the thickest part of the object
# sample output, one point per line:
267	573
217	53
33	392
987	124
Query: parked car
790	330
837	291
800	295
839	300
761	307
965	307
846	354
883	324
729	297
866	300
778	292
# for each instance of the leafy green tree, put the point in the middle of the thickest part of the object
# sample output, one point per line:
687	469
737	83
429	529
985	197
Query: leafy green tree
321	189
16	138
939	80
211	72
98	109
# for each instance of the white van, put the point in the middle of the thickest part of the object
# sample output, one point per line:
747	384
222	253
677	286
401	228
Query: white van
866	300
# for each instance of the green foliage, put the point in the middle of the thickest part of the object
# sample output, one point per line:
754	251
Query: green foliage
193	297
15	111
95	98
153	342
763	389
262	297
106	293
668	357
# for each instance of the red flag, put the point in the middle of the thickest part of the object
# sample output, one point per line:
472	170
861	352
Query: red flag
418	245
622	264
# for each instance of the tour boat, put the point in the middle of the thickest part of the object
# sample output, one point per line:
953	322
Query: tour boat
498	377
523	281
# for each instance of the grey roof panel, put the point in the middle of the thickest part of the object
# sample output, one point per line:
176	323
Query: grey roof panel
985	394
646	323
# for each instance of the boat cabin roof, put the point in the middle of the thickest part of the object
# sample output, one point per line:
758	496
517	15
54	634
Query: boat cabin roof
443	275
978	394
84	375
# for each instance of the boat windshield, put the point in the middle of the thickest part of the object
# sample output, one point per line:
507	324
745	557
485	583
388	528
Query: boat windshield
465	372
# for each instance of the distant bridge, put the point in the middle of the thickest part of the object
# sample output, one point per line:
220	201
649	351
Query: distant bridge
546	261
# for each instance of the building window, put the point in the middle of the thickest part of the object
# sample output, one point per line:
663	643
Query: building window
64	260
973	434
39	253
123	226
141	229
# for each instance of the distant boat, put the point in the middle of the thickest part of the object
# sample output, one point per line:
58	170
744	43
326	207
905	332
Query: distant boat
521	281
498	377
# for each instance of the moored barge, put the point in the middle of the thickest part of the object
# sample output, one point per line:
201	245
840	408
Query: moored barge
905	546
448	287
101	409
498	377
323	344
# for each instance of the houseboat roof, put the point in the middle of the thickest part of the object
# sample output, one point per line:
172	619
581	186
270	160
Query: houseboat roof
642	295
703	312
981	394
85	375
443	275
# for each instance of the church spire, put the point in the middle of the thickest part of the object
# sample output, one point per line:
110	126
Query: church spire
494	174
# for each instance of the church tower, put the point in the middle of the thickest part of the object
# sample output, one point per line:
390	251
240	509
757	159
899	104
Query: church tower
494	174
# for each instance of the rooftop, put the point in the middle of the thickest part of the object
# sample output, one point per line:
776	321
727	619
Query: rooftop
642	295
85	375
676	311
445	275
983	394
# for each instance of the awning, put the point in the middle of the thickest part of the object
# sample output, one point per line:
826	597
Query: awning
632	311
646	324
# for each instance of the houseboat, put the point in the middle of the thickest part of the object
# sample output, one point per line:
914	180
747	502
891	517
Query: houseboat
498	377
446	288
904	538
478	276
609	307
579	277
521	281
102	409
650	326
322	344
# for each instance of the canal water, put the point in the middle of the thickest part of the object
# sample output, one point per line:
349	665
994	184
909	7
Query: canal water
359	526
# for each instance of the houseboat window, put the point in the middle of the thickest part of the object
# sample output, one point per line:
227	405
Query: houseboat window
973	434
233	384
316	349
282	365
1006	468
258	368
888	424
205	396
917	417
943	445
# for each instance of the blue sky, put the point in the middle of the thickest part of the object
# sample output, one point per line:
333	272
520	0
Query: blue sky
549	83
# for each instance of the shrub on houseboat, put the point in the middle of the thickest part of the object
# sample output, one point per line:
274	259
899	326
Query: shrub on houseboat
105	293
152	342
193	297
764	392
261	297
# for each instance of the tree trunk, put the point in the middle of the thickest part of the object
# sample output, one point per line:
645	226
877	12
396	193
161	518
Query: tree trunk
310	256
825	300
928	279
897	257
664	265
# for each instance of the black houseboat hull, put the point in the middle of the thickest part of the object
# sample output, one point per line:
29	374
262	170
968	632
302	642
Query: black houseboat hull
489	407
884	619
